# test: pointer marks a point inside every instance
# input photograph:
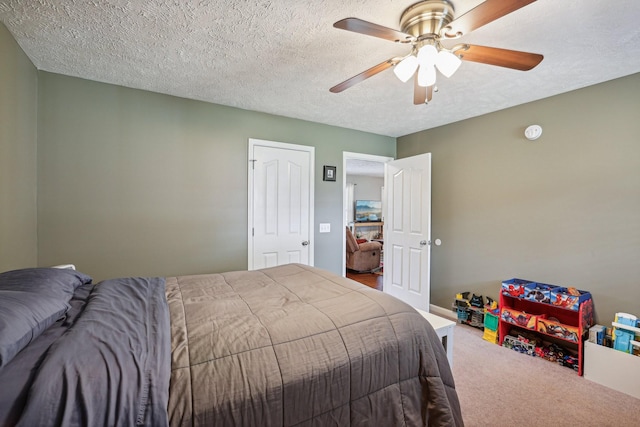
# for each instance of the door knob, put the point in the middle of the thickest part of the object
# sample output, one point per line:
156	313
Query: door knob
423	243
305	243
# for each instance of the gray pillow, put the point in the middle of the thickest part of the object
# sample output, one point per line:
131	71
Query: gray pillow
31	300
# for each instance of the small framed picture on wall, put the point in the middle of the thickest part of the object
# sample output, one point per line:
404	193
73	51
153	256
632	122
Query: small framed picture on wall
329	173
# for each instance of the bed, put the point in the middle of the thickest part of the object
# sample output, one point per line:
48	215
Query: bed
291	345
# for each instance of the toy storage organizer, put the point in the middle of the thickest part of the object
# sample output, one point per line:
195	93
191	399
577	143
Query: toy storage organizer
613	368
564	326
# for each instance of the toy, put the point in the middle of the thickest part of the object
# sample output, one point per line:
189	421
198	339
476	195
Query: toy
622	338
515	287
476	301
569	361
573	291
462	299
519	345
556	329
561	332
515	291
519	318
555	353
538	292
491	305
491	320
562	302
567	298
490	335
469	310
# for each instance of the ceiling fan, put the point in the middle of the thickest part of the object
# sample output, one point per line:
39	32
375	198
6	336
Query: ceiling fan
424	26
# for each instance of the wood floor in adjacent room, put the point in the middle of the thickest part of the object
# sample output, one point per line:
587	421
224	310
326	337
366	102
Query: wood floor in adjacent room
373	280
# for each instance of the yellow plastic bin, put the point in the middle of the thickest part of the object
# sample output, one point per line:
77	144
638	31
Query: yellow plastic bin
491	336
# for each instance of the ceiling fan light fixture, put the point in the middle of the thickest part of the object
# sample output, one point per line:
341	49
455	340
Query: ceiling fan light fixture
447	63
422	26
426	75
406	68
427	55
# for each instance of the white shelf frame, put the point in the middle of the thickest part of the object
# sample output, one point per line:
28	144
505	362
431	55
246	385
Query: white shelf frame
628	328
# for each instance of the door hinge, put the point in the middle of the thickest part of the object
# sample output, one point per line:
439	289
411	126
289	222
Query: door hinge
253	163
253	232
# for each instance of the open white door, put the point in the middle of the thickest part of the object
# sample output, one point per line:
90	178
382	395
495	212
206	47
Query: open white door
407	230
280	204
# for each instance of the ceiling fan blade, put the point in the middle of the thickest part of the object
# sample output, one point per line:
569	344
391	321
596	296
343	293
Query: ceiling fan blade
365	75
481	15
523	61
419	92
363	27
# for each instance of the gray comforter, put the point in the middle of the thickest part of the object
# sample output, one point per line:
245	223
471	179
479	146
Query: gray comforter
111	368
291	345
295	345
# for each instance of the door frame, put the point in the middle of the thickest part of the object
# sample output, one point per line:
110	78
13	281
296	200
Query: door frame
346	155
286	146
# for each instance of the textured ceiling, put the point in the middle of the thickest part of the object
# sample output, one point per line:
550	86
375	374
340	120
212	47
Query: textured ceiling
365	168
281	57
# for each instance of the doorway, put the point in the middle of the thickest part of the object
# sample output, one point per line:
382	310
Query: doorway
406	199
366	171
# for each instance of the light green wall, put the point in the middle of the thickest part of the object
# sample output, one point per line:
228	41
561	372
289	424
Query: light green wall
18	174
138	183
564	209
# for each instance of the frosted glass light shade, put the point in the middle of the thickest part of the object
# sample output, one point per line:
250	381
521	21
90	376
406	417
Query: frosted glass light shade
406	68
427	55
426	75
447	63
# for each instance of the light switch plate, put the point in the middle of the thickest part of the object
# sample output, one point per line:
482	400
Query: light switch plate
325	228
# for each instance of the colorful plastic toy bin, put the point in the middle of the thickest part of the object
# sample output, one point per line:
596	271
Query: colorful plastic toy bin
559	330
561	298
515	287
463	314
520	318
491	336
538	292
490	321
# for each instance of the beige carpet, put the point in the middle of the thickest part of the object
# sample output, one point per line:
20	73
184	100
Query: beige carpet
500	387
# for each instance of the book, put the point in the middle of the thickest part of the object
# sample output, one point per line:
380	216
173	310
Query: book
596	334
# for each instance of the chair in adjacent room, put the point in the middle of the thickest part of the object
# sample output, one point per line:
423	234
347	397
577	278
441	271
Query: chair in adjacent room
364	256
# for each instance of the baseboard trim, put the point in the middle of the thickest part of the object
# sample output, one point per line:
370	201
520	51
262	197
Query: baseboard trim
443	312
